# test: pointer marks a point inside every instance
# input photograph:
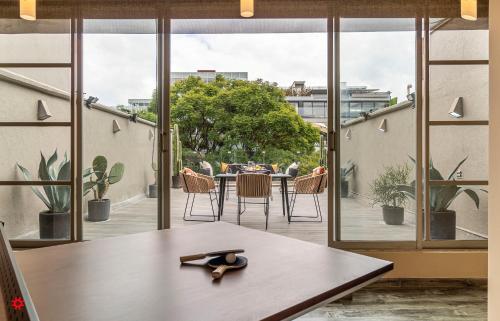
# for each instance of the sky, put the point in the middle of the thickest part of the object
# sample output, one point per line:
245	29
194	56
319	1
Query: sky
118	67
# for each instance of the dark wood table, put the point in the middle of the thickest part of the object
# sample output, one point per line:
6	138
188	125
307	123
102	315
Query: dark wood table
283	178
139	278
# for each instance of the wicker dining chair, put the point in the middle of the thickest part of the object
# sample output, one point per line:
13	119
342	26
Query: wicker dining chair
195	183
313	185
253	185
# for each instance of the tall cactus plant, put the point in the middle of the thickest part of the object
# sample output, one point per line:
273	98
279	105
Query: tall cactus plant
176	151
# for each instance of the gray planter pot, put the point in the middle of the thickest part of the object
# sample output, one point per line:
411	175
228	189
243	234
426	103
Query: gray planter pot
176	181
443	225
393	215
99	210
344	188
153	191
54	225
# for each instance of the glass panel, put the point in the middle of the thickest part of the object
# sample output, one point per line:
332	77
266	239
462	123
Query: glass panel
40	41
458	39
27	217
35	94
120	71
249	102
456	91
451	144
462	219
24	145
377	129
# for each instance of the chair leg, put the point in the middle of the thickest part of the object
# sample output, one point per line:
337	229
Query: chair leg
266	206
212	203
317	207
212	217
239	209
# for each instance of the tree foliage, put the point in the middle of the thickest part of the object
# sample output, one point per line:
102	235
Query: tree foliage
251	116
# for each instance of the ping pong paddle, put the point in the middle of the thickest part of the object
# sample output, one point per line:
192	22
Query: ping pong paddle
220	265
200	256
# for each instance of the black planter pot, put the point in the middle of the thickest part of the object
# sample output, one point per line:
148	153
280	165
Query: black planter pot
153	191
393	215
99	210
54	225
344	189
176	181
443	225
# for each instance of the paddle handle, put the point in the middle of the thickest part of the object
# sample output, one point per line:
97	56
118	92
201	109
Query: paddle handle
219	271
193	257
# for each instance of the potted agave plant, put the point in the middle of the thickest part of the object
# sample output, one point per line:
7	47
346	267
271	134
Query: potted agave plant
99	182
443	220
55	221
386	193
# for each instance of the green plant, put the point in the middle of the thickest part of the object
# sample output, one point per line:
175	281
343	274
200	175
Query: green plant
99	180
176	150
385	187
56	198
442	196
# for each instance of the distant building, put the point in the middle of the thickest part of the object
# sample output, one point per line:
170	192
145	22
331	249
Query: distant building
208	75
312	102
139	103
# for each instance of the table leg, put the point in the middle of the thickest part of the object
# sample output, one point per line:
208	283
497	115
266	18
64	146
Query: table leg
222	189
286	199
283	195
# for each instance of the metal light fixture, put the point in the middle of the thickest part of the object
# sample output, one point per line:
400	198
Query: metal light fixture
348	134
43	110
457	108
27	9
91	100
116	126
246	8
383	125
469	9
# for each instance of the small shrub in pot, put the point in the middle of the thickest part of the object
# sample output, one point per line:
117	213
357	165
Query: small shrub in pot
386	192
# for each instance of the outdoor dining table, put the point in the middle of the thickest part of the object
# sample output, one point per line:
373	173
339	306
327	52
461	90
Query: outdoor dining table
283	178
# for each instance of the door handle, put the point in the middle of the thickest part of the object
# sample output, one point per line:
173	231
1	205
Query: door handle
331	141
164	142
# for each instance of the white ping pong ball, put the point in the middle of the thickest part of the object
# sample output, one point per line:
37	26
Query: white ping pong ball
230	258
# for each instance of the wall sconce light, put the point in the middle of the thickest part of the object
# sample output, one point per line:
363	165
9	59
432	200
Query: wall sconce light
383	125
457	108
133	117
246	8
91	100
27	9
116	126
43	110
468	9
151	134
348	134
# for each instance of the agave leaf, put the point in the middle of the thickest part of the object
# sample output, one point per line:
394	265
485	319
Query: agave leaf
65	172
116	173
456	168
412	159
408	190
62	199
472	194
52	159
36	191
444	197
434	174
43	173
100	164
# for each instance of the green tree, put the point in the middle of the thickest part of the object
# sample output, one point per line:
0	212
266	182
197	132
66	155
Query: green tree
250	116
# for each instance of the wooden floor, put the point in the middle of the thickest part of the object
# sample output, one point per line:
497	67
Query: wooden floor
413	301
359	221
